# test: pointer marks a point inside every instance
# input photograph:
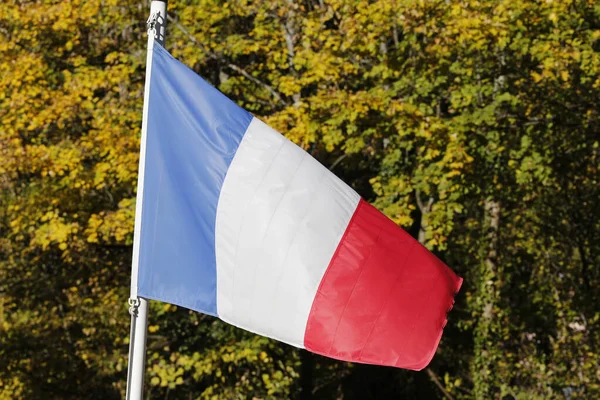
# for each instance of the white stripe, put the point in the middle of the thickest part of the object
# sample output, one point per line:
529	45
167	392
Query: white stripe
280	217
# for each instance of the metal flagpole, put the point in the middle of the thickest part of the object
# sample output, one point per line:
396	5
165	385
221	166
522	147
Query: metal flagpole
138	307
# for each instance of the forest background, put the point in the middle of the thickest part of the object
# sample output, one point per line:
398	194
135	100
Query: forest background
473	124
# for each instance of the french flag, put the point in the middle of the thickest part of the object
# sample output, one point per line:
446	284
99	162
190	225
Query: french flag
240	223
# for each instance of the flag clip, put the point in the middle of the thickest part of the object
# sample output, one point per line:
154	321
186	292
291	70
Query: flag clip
133	306
156	26
151	23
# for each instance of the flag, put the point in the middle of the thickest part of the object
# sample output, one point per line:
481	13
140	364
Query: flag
240	223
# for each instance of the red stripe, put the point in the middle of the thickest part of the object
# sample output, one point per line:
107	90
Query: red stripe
383	299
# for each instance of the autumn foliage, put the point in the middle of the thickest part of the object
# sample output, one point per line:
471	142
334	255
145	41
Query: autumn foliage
475	125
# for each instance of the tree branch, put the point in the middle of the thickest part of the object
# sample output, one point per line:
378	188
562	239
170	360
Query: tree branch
230	65
437	382
289	33
337	161
422	207
425	209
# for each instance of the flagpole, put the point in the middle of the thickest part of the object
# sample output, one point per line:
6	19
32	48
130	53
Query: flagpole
138	306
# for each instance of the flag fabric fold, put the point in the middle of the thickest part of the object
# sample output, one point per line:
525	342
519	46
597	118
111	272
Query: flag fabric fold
240	223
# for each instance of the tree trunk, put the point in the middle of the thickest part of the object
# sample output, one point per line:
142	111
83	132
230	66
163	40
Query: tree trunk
485	354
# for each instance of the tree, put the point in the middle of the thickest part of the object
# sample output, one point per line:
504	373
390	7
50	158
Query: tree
474	125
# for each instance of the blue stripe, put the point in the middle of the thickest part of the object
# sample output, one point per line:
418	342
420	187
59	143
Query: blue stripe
193	134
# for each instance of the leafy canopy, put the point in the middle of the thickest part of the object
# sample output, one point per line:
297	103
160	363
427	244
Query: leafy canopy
474	125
